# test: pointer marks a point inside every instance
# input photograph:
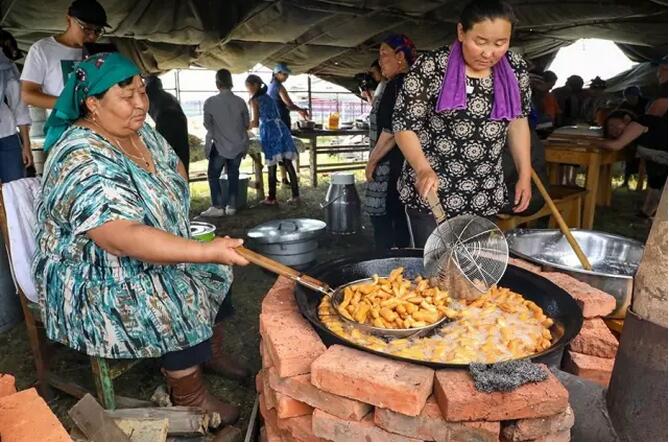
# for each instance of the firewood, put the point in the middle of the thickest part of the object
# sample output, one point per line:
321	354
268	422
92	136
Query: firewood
94	422
183	421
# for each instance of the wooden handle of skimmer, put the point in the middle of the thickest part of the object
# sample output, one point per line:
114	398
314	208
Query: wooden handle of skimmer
283	270
561	223
436	207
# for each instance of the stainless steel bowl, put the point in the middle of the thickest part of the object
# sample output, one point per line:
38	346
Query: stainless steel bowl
614	259
338	297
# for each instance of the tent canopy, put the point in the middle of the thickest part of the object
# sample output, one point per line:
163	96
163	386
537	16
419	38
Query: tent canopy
333	39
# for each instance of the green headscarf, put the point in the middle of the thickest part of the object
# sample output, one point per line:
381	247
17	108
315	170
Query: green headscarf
92	76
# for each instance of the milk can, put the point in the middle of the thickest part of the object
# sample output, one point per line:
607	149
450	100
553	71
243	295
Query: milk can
342	205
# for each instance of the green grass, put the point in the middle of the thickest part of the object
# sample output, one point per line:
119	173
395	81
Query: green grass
250	285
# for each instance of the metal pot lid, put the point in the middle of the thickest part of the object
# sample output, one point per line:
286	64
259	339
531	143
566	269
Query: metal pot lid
200	228
287	230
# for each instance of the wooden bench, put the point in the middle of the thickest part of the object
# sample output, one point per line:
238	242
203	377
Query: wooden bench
568	200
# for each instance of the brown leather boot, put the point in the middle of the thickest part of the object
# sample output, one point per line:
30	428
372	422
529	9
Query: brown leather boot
191	391
223	364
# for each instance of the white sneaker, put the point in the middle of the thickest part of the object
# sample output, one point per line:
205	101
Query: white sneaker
213	212
230	210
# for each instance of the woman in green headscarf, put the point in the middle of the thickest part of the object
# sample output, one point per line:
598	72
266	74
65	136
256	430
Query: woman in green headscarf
116	271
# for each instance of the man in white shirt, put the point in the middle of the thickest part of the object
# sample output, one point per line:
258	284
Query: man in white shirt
51	60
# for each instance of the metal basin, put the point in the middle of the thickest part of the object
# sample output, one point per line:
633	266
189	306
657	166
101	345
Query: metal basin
614	259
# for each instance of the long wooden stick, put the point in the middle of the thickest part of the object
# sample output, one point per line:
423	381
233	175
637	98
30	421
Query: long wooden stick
561	223
282	270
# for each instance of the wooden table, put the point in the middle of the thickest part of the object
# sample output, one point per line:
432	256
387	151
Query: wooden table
583	151
314	149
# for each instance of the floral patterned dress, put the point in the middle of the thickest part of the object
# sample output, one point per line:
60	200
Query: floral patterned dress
464	147
108	306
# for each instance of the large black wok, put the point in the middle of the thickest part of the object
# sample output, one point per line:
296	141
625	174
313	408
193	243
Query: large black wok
555	302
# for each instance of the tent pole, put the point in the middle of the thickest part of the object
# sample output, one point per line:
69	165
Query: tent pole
9	9
309	95
177	86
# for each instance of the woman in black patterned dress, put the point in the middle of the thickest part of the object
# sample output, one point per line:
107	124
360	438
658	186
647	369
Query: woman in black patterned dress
452	117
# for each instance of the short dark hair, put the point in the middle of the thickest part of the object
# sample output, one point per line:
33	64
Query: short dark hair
224	79
478	11
575	81
616	114
549	76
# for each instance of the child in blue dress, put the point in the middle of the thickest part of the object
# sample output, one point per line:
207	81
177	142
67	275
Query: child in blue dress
275	138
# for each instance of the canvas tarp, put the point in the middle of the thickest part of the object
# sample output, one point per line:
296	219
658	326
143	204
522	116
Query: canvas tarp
333	39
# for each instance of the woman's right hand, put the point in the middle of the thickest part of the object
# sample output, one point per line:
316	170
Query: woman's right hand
222	250
426	180
369	170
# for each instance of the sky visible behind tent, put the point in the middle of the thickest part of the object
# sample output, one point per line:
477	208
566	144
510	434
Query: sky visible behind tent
589	58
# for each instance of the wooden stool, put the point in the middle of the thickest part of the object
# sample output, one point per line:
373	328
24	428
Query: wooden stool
104	371
568	200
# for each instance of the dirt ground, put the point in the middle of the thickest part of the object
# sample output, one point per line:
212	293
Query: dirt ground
250	285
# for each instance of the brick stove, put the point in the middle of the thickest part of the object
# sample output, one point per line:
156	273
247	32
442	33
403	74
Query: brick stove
312	393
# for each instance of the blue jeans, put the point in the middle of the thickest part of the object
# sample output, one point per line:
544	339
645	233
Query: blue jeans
11	159
216	165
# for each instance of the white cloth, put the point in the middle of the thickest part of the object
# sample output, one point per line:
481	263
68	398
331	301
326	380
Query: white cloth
13	111
20	199
48	63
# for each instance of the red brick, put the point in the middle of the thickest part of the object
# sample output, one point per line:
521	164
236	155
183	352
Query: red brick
300	388
381	382
291	342
271	421
298	428
590	367
595	339
268	393
558	437
533	428
525	265
593	302
25	416
280	298
7	384
273	434
431	426
460	401
264	355
335	429
287	407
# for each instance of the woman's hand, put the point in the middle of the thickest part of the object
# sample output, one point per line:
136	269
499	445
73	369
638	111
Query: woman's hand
426	180
369	170
222	250
523	195
27	155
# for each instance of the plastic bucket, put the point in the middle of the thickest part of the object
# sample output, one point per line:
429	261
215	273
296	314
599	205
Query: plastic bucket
242	191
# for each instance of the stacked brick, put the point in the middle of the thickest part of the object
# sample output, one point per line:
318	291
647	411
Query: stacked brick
310	393
25	416
592	352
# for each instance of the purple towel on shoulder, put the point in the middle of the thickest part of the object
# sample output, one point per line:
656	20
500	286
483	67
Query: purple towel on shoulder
506	92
